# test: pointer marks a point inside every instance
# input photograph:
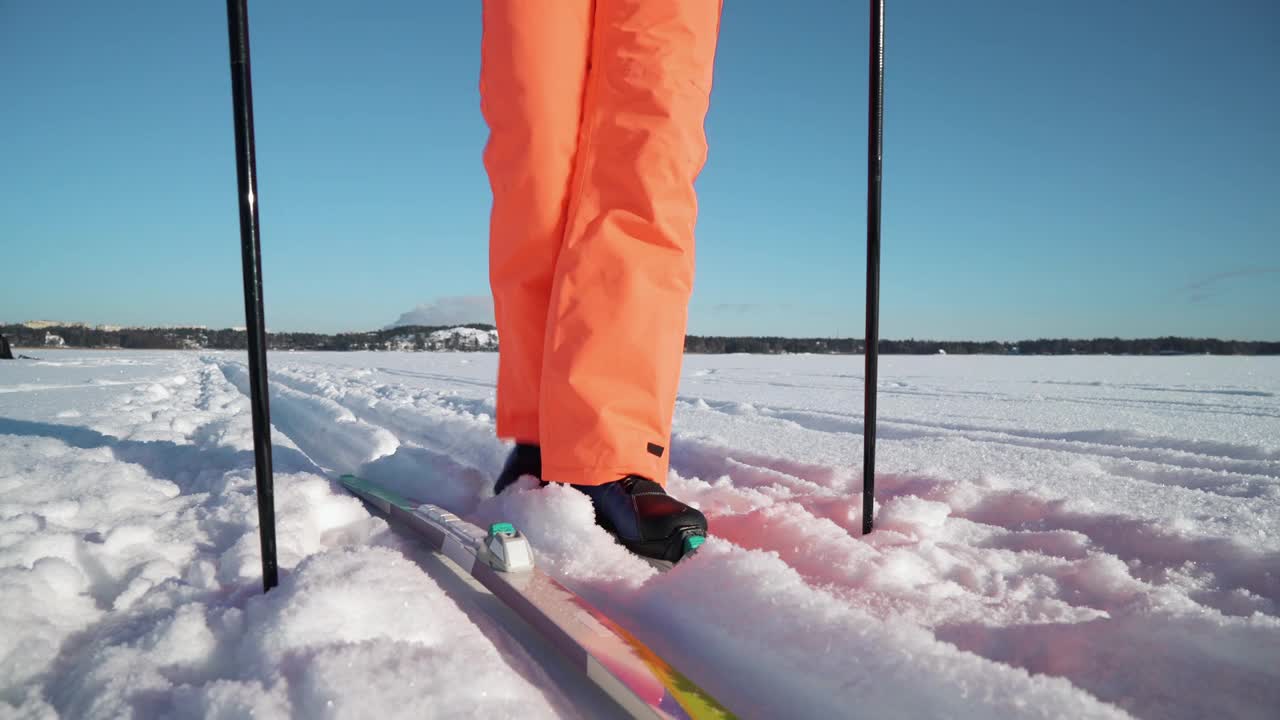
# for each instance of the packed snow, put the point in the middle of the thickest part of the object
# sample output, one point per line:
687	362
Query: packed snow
1086	537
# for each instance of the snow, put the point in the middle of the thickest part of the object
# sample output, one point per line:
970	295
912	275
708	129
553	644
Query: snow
1085	537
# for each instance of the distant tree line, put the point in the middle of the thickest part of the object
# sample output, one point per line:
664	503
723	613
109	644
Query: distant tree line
413	337
1043	346
416	338
713	345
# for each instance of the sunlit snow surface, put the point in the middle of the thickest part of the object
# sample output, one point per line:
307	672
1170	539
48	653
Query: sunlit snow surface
1056	537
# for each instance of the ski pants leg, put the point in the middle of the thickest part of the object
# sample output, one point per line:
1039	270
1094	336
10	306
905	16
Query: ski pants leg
533	75
595	110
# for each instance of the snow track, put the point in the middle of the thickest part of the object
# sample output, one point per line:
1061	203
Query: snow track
1082	537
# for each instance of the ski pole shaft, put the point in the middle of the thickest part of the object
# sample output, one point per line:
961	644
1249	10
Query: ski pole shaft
875	136
251	260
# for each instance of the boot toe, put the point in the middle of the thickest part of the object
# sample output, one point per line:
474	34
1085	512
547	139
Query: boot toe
662	516
645	519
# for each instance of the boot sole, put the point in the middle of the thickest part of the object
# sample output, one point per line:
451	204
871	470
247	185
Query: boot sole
670	550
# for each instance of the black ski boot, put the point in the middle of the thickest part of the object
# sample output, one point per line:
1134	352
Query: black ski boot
523	460
645	519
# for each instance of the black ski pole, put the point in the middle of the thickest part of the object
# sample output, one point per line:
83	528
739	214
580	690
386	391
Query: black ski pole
875	103
251	260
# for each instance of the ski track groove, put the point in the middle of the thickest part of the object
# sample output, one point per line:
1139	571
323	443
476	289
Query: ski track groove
1235	459
907	390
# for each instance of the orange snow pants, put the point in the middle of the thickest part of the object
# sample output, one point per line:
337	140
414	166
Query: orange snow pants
595	111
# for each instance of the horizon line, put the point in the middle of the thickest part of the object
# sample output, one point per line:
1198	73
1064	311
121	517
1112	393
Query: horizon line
107	327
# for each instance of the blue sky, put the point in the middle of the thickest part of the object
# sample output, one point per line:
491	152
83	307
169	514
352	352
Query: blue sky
1051	168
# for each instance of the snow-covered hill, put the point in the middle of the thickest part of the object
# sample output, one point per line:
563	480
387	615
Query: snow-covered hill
463	337
1057	537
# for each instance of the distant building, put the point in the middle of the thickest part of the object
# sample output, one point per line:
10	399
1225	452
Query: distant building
401	343
51	340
